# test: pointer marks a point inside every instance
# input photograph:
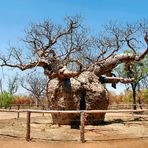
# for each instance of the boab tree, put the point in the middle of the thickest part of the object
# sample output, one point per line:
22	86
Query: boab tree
76	64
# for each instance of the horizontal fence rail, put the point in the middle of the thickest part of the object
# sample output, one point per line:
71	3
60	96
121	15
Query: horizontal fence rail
73	111
44	106
81	112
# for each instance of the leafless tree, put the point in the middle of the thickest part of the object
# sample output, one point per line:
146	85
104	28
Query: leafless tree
13	84
35	84
54	46
67	52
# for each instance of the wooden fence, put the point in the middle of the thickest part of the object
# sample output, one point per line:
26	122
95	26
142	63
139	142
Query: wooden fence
44	106
82	117
127	106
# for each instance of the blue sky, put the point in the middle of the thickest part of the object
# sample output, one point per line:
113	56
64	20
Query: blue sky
15	15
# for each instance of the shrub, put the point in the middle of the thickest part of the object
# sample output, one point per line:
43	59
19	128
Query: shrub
22	100
6	99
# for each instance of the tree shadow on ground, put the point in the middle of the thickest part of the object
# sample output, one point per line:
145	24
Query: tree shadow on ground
121	121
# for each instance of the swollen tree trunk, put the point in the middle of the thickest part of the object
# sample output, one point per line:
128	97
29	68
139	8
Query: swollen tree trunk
84	92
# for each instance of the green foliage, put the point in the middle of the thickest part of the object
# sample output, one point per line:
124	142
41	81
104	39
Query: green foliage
127	98
137	70
5	99
145	94
128	51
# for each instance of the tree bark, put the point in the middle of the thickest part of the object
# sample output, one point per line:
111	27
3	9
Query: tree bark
134	96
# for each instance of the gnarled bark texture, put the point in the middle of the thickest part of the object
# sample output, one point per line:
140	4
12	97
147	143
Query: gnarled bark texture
80	93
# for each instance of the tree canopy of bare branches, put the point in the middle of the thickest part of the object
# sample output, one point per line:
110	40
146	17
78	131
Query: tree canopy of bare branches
58	48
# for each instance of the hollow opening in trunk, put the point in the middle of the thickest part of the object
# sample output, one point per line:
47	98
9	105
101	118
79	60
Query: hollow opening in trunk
82	101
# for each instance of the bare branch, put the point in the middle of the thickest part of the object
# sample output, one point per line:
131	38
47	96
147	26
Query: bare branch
56	48
129	45
142	55
63	73
109	64
24	66
114	80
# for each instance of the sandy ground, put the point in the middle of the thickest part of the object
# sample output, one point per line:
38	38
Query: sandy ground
134	143
120	130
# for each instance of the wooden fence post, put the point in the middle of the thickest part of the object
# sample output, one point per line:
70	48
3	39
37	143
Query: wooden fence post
28	126
43	109
18	113
82	128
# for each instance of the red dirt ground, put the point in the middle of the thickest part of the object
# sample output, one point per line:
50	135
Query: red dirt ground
123	131
16	143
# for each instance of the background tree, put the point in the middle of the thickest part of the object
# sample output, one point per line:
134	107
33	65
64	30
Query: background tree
6	96
35	84
13	84
138	71
144	81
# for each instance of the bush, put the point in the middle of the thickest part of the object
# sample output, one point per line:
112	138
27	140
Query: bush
22	100
5	99
127	97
